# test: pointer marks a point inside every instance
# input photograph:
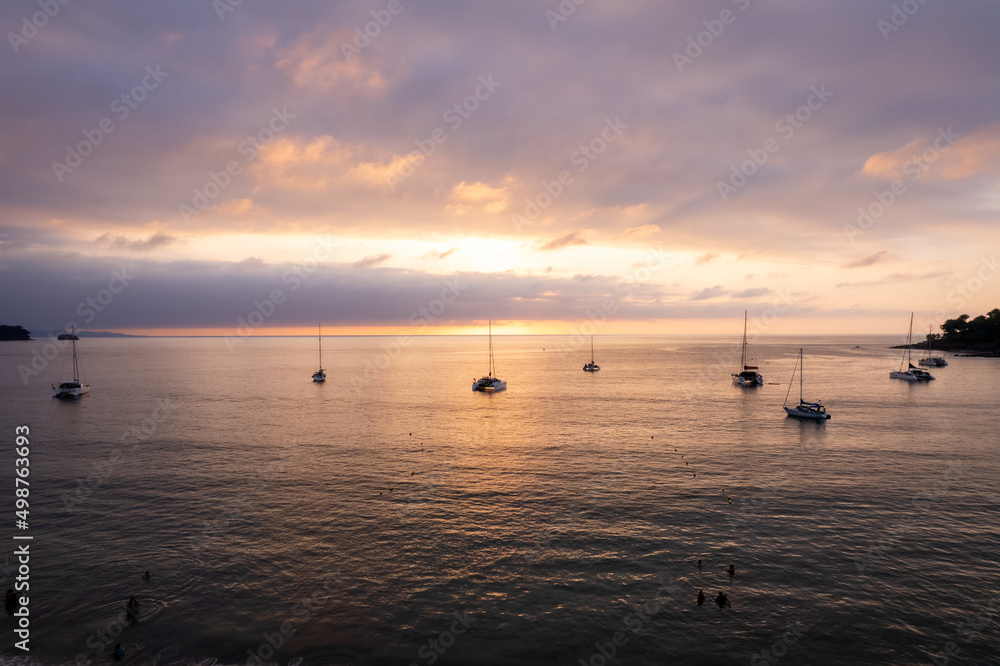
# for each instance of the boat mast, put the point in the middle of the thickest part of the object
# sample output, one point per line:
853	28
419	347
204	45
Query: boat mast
802	372
743	356
591	349
909	341
76	366
320	338
491	348
791	381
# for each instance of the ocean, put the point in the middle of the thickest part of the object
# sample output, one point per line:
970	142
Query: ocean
393	516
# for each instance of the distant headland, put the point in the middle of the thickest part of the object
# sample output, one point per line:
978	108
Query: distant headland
21	333
14	333
83	334
972	337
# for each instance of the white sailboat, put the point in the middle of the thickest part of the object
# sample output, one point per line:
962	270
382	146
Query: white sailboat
591	367
932	361
489	383
748	376
75	388
911	373
804	410
320	375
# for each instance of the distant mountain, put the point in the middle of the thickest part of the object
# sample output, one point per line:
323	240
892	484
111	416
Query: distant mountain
14	333
83	334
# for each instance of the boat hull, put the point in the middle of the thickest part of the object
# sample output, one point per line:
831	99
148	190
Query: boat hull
904	376
748	381
911	376
814	416
489	386
590	367
933	362
68	393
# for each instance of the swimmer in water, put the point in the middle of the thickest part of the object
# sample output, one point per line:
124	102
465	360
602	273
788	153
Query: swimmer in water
701	597
723	601
699	564
119	651
146	576
132	609
731	570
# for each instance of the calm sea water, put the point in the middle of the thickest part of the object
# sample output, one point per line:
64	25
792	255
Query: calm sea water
399	518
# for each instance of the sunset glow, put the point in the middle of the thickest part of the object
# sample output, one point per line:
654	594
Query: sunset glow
256	151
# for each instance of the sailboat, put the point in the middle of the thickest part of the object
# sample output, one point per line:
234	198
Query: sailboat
75	388
591	367
749	375
489	383
911	374
932	361
320	375
804	410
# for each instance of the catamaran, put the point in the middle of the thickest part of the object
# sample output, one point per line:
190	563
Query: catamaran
320	375
75	388
749	375
912	373
932	361
591	367
804	410
489	383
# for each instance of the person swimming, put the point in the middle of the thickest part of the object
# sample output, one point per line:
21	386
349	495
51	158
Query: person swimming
731	570
723	601
132	609
146	576
119	652
701	597
699	564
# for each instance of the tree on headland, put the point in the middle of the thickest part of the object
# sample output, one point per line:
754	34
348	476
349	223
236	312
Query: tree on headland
983	331
14	333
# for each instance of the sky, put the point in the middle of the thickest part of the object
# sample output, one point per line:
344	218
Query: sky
420	166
